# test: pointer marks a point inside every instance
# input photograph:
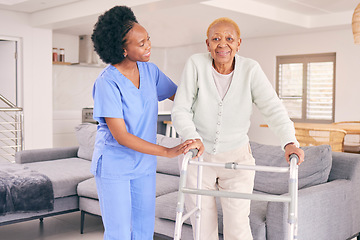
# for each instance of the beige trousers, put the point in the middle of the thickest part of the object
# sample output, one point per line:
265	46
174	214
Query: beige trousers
236	212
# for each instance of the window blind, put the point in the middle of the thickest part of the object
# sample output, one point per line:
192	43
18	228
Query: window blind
306	86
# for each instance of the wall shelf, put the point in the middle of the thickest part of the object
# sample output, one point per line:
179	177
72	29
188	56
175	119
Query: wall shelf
62	63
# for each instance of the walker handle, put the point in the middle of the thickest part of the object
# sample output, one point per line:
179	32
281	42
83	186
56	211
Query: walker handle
194	152
294	156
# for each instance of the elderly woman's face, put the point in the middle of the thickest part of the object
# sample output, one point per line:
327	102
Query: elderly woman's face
223	42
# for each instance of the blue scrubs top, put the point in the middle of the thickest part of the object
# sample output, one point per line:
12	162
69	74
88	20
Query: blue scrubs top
116	96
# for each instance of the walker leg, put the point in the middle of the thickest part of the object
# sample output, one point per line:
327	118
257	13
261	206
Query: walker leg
198	201
180	205
178	225
293	205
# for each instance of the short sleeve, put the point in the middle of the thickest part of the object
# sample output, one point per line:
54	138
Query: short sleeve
107	100
165	87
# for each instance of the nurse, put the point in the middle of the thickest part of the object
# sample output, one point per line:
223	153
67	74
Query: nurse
126	95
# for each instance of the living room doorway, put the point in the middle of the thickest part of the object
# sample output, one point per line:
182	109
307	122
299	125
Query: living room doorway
9	70
11	111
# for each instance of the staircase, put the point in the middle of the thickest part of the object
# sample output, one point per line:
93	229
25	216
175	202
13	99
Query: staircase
11	130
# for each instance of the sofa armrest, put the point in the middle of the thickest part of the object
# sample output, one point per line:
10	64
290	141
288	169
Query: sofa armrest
46	154
324	212
345	166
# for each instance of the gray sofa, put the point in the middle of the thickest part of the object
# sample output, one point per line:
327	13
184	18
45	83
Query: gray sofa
329	195
65	167
65	170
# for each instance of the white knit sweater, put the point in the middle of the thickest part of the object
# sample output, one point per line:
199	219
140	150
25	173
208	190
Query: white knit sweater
223	124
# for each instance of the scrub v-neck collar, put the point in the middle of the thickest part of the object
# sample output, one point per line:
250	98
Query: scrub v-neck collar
128	81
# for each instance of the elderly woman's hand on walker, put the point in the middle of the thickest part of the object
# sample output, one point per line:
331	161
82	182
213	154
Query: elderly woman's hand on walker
196	143
291	148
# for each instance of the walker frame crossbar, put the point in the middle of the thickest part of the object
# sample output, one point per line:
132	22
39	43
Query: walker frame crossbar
291	198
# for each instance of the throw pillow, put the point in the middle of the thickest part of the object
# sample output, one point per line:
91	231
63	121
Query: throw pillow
86	134
313	171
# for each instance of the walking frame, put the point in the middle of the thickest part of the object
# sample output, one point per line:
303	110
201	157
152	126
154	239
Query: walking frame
291	198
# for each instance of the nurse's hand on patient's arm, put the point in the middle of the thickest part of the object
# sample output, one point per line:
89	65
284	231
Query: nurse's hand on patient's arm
196	144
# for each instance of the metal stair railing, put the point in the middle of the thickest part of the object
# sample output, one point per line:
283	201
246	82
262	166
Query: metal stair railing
11	130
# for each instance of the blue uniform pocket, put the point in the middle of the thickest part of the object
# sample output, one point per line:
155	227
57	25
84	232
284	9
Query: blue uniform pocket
117	163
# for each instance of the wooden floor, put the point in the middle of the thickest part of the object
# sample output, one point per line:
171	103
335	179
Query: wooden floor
61	227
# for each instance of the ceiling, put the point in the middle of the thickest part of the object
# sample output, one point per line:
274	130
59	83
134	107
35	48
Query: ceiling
182	22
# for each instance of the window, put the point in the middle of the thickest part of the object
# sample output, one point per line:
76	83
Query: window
306	86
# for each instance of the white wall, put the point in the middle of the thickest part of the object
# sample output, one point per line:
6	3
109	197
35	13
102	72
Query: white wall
172	61
72	91
36	75
347	98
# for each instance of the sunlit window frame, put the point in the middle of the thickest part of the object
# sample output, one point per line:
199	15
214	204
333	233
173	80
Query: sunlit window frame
305	59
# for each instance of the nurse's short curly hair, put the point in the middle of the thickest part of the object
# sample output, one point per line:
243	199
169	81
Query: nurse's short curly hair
109	33
224	20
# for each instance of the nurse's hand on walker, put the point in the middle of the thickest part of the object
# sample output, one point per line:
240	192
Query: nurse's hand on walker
123	137
179	149
197	143
290	148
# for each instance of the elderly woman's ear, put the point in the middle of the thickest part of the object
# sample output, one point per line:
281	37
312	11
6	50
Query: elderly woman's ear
207	45
238	48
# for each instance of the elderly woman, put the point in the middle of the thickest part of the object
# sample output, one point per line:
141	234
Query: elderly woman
126	95
213	105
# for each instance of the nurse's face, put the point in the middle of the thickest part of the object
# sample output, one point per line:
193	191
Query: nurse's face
138	44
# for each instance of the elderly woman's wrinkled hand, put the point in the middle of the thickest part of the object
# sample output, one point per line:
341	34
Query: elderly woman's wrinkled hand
292	149
196	143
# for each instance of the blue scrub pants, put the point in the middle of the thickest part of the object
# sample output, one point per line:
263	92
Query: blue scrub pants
127	207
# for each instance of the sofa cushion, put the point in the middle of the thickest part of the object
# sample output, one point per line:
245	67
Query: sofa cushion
86	134
65	174
87	189
89	205
168	165
314	170
258	219
166	209
166	184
